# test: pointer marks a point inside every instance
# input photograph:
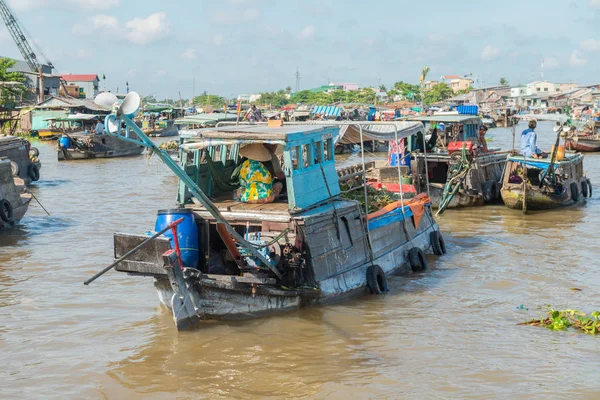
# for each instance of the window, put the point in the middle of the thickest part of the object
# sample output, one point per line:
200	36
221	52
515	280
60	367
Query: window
307	155
538	89
545	89
296	157
318	152
328	149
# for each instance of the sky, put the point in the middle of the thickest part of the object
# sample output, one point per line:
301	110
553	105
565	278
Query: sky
229	47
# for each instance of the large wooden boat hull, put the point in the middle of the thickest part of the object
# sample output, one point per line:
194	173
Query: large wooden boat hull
97	146
170	130
17	150
574	186
12	190
460	199
193	297
583	144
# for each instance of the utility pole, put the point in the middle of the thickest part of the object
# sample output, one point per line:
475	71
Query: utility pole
297	80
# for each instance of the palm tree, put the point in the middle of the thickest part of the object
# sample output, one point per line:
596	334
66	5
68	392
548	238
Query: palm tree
424	74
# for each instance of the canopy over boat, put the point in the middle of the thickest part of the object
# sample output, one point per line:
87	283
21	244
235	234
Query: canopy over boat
448	119
561	118
74	117
205	119
382	131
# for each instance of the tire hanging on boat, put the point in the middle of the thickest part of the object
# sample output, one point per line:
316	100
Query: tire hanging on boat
574	191
437	243
33	172
490	191
589	185
584	189
376	280
6	211
417	260
14	167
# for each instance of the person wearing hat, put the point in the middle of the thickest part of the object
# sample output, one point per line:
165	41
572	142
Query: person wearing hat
482	142
529	142
256	181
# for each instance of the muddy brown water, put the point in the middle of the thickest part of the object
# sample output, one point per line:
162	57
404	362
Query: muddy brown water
450	332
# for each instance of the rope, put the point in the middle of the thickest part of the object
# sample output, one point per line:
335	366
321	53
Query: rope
458	175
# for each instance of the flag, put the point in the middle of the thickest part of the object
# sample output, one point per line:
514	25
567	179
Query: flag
239	106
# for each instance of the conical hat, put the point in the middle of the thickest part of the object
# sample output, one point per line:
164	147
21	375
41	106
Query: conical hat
255	151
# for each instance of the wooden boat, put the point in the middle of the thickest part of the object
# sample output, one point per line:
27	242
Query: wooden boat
539	184
82	146
587	140
24	160
456	172
162	129
57	126
14	200
309	247
158	120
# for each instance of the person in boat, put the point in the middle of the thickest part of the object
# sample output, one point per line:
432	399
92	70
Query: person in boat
529	143
482	142
256	181
99	127
254	114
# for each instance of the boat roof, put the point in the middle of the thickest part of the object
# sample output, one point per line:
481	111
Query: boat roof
543	163
203	119
453	118
562	118
259	132
76	117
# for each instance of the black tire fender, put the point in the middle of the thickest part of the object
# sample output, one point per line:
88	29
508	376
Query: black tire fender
574	191
437	243
33	172
417	261
6	211
14	167
376	280
584	189
589	185
490	191
34	152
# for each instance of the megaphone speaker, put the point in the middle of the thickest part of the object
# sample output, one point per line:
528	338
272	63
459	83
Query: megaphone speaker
131	105
106	99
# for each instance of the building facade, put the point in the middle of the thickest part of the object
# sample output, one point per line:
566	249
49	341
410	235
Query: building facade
89	84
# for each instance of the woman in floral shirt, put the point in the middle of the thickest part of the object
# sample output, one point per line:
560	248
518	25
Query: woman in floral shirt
255	179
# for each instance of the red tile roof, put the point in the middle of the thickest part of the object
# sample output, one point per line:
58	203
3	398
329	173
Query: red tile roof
80	77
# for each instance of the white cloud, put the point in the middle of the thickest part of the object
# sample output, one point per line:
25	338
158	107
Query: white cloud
235	16
132	73
590	45
308	32
577	59
217	39
23	5
96	4
102	21
489	53
146	30
551	63
189	54
594	3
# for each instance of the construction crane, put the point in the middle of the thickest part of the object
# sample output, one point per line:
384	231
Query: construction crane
12	24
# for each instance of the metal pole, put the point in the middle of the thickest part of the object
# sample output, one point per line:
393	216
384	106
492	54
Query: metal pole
362	148
426	167
130	252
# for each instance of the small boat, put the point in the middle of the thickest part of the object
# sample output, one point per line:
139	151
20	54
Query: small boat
72	123
192	123
456	170
158	120
14	200
586	140
163	129
84	146
540	184
23	158
311	246
488	121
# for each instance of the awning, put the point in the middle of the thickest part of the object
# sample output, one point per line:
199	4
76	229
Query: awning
544	117
330	111
384	132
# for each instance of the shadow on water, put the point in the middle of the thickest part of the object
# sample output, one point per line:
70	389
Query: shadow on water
49	183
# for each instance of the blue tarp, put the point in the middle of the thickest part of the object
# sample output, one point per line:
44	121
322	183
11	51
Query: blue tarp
535	164
330	111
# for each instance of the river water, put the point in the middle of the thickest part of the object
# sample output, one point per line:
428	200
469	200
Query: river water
450	332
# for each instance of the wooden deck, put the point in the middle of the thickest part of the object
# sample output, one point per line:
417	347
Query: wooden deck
227	204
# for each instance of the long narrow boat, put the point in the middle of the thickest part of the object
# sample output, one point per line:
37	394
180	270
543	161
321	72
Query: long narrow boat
539	184
456	170
14	200
310	246
586	140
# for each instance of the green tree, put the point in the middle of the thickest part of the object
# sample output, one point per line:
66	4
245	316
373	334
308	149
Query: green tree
274	99
407	91
382	88
206	99
438	92
503	81
288	89
13	85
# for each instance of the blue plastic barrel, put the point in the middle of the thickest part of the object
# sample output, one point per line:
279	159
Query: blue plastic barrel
187	234
64	141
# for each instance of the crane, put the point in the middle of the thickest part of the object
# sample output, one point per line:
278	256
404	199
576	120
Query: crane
12	24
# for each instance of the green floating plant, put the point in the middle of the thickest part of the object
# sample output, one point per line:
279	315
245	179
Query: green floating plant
558	320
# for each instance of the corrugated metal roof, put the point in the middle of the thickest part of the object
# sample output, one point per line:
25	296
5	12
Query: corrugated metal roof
80	77
70	102
330	111
462	119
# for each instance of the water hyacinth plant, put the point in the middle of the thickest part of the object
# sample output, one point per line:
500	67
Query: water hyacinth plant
562	320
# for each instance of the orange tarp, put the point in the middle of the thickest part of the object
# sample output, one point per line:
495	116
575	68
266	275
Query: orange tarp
416	204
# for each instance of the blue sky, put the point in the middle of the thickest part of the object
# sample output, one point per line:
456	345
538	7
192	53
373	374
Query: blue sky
241	46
